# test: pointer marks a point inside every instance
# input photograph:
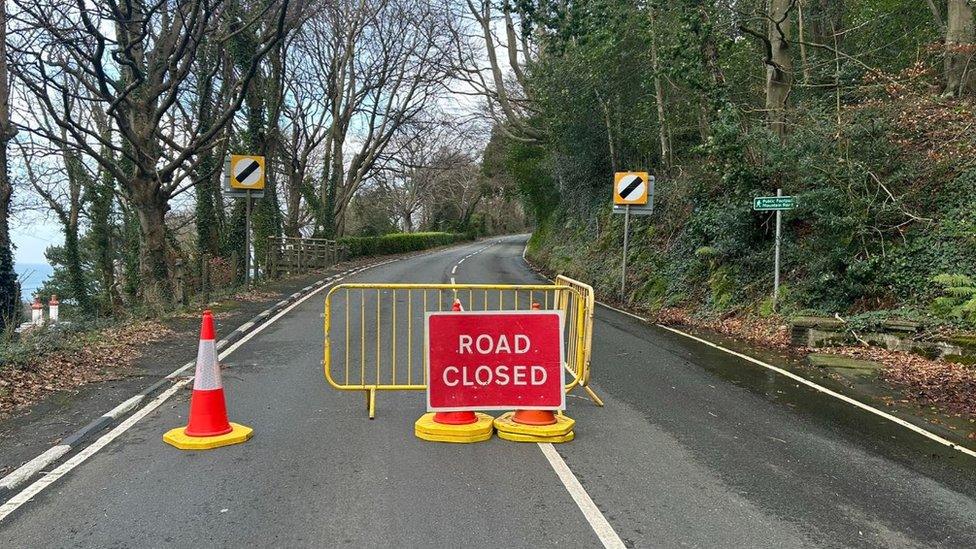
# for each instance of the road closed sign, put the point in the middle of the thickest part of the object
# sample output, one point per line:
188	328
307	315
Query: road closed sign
500	360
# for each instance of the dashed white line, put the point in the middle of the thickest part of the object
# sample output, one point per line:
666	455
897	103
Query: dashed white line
601	526
37	486
26	494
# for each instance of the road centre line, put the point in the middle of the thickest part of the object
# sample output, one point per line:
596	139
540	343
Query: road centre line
820	388
597	520
37	486
601	526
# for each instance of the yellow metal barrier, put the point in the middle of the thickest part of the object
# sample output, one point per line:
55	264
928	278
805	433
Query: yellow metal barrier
586	293
374	333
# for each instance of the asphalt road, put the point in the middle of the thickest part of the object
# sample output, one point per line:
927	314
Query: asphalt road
694	448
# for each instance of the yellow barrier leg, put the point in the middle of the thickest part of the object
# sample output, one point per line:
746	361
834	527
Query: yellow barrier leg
596	400
371	402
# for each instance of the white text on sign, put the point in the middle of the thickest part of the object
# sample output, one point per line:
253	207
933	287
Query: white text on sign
495	360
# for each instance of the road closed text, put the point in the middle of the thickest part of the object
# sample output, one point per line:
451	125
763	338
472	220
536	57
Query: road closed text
495	360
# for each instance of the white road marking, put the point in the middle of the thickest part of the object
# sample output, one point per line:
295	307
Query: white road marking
452	280
454	269
33	489
27	493
28	469
881	413
32	467
601	526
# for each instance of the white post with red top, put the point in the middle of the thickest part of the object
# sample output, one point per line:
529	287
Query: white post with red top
52	308
37	312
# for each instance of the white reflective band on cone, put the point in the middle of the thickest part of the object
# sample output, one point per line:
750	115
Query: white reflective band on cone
208	371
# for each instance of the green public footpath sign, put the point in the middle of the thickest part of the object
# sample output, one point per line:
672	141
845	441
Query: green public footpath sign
772	203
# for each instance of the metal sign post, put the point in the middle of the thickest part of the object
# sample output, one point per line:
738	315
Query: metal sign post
623	267
779	233
247	237
776	203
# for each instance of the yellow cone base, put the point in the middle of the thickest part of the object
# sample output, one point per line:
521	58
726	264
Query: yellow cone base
427	429
513	437
561	431
178	438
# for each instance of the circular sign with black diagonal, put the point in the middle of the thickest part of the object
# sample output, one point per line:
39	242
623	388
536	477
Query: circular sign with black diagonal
247	172
630	188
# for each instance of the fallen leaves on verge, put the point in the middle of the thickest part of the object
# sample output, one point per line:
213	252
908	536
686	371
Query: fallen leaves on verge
255	296
92	356
768	332
945	385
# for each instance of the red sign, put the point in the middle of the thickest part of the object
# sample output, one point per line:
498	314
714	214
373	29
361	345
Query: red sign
500	360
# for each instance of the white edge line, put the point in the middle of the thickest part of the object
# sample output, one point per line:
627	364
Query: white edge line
27	493
601	526
854	402
881	413
42	460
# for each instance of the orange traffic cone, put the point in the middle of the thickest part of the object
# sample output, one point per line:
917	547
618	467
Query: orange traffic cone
208	426
534	425
454	426
456	418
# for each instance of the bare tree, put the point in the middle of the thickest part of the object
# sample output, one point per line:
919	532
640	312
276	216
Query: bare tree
134	60
417	172
501	84
386	61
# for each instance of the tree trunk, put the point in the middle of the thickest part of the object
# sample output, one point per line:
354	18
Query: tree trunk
101	232
662	122
959	49
779	66
76	276
9	289
77	178
823	18
293	198
153	246
803	48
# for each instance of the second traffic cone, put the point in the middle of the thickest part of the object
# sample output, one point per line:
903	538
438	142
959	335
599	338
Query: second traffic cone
208	426
535	425
461	427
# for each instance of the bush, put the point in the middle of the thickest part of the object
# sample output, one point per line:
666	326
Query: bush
359	246
958	299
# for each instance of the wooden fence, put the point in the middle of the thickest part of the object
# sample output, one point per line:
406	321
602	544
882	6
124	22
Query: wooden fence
296	255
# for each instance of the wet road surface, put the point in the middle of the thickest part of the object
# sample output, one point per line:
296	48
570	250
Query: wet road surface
693	448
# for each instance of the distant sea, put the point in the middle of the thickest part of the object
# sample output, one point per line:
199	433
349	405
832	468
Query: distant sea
31	277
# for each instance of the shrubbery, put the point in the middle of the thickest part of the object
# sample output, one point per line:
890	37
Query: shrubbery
359	246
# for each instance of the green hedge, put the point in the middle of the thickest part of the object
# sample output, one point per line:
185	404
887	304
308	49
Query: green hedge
358	246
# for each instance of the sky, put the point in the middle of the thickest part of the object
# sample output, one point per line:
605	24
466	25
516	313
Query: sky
32	235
